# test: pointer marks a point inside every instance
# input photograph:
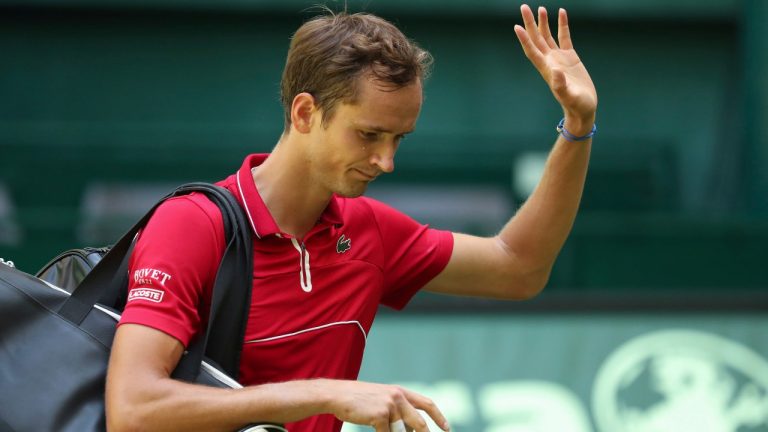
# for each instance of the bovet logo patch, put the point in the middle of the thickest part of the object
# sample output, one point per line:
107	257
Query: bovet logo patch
150	276
148	294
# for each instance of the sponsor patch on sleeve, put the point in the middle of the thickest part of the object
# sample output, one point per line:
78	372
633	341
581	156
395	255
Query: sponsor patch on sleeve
148	294
150	276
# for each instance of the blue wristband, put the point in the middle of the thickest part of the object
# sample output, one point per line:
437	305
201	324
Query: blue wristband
571	137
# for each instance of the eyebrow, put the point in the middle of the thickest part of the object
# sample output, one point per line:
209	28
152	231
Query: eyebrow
380	129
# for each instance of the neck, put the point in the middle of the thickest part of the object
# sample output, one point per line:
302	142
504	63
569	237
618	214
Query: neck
291	198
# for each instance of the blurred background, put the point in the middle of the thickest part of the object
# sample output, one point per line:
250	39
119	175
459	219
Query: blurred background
108	104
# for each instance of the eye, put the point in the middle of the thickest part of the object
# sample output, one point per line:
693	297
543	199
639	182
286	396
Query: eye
369	136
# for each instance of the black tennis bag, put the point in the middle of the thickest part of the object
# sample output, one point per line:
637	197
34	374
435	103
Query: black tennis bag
54	347
68	269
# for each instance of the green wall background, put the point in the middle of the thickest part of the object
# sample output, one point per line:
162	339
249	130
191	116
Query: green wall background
113	93
580	372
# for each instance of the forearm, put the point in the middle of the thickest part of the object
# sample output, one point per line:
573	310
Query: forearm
539	229
169	405
140	395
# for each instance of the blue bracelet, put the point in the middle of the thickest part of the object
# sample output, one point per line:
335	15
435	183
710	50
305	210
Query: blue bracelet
571	137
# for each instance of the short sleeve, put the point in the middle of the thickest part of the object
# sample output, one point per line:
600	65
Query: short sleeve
414	253
173	267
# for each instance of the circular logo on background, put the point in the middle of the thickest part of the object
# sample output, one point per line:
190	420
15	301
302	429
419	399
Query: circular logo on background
681	381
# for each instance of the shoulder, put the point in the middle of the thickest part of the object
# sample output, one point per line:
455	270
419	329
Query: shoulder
371	215
365	207
188	217
385	216
389	224
191	208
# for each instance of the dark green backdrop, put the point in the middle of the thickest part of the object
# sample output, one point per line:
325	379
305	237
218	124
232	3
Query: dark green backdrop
107	103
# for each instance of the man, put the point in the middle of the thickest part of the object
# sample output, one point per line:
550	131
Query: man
324	257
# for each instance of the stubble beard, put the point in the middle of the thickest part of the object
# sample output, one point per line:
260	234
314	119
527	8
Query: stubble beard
349	188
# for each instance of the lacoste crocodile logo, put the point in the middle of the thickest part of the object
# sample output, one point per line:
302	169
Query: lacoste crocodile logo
344	244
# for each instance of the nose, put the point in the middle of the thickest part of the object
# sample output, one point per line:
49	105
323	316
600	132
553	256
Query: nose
384	158
385	164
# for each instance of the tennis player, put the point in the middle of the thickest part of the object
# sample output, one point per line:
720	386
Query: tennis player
325	256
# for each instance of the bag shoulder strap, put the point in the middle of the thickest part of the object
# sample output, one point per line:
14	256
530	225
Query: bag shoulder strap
231	292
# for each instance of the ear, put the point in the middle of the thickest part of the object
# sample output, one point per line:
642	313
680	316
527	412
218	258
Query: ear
303	110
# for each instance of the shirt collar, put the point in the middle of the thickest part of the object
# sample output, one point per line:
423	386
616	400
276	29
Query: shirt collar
332	213
262	222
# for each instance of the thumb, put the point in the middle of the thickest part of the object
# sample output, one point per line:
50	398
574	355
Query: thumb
558	81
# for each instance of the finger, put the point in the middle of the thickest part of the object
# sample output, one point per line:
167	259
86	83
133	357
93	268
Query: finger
427	405
544	28
382	421
532	28
533	53
409	416
563	31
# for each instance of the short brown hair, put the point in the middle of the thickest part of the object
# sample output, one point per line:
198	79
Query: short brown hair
330	52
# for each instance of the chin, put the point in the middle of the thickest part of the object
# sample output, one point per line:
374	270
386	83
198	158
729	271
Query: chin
352	191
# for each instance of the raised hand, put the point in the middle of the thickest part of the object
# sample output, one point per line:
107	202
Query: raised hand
560	66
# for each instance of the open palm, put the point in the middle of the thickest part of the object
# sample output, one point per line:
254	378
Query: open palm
558	63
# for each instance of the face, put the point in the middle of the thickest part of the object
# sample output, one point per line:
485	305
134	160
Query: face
358	143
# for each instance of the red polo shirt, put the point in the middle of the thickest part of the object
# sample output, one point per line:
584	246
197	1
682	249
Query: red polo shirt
313	301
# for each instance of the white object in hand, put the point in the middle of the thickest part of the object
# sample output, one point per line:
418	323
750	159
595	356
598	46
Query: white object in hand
398	426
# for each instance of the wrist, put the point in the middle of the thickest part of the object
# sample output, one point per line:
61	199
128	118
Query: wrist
579	125
322	395
567	135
